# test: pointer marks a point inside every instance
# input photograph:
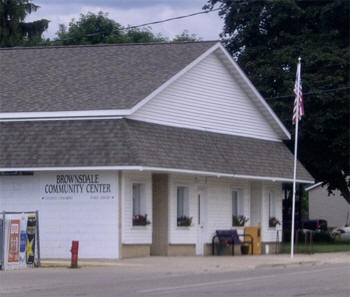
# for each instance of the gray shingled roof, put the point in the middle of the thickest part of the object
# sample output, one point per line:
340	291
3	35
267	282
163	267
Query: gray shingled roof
125	142
88	77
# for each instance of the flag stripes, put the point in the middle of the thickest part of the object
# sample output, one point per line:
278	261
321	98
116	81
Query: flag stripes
298	92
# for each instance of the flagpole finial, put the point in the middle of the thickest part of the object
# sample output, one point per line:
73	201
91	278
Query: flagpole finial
299	59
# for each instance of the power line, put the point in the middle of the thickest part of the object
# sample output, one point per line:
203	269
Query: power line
172	19
311	93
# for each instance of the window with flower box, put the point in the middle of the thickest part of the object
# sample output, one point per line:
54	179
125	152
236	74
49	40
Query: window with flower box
273	221
238	218
139	216
272	209
182	201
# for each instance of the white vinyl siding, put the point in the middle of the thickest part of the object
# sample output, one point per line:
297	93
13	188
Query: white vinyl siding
219	206
219	216
90	218
207	98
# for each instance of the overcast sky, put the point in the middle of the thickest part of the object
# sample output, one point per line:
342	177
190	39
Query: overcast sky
134	12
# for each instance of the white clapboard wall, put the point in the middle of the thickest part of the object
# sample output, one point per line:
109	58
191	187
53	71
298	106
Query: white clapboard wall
208	98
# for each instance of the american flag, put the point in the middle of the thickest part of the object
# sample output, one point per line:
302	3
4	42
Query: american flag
298	92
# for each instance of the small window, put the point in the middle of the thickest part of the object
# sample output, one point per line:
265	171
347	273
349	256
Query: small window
139	216
235	203
183	218
238	218
272	207
273	221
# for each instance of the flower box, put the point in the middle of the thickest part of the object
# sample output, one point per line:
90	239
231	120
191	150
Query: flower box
184	221
140	220
239	220
273	222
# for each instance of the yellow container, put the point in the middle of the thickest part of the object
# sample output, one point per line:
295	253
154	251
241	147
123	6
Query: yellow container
255	232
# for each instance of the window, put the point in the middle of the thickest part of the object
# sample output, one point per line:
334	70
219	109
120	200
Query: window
235	203
273	221
272	209
139	215
238	218
199	208
183	207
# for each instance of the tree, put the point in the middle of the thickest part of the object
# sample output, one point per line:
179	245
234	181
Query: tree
94	28
13	30
266	37
186	36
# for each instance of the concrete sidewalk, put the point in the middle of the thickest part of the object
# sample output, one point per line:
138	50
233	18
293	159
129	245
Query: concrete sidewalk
209	264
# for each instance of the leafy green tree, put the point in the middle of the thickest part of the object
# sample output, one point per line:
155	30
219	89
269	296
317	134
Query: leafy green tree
143	36
97	28
266	37
186	36
13	30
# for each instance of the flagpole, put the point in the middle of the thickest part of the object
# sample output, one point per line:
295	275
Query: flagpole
295	158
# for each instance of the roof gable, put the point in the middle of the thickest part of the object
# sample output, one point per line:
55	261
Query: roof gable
212	94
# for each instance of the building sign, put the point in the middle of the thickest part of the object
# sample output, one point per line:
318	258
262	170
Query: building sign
71	186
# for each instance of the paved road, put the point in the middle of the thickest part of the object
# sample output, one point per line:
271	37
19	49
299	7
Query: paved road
317	280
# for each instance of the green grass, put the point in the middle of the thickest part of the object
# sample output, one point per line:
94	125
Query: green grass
318	247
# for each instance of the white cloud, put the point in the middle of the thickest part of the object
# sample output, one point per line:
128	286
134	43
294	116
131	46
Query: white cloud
208	26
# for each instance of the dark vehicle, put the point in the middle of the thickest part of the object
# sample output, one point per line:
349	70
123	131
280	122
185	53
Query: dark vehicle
315	225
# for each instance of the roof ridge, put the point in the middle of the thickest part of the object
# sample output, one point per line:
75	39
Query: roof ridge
104	45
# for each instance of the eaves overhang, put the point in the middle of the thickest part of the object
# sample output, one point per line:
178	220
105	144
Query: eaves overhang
156	170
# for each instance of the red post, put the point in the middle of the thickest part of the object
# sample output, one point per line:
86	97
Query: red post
74	251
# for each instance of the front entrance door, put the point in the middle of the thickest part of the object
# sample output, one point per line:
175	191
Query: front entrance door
202	206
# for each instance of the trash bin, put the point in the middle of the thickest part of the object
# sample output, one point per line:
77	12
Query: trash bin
244	249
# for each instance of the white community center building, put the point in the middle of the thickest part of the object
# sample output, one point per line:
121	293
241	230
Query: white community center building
138	149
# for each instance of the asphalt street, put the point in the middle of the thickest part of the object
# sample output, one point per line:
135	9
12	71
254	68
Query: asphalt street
305	280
